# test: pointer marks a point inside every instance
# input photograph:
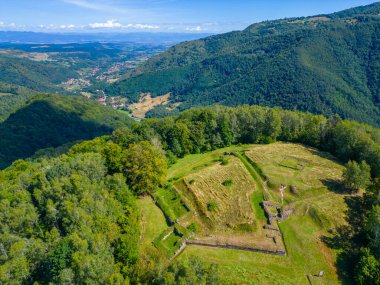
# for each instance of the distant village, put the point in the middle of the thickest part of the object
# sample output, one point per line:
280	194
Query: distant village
114	102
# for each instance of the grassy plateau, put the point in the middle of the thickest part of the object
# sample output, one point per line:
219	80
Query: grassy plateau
224	189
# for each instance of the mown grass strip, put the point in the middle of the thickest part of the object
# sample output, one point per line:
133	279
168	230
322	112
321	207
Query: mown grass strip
171	203
257	198
259	181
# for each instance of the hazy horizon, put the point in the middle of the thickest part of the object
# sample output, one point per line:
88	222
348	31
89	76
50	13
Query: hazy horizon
164	16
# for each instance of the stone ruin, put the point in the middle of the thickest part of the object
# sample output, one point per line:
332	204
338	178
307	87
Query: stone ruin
276	212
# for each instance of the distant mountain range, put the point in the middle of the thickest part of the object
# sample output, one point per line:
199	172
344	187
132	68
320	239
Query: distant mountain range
323	64
63	38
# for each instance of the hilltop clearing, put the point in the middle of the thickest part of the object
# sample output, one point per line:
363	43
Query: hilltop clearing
223	194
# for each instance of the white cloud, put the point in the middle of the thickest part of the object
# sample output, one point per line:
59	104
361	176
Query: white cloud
108	24
142	26
67	26
113	24
7	25
194	29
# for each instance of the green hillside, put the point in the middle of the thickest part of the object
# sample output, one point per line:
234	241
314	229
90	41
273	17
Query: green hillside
71	218
324	64
41	76
12	97
245	267
50	121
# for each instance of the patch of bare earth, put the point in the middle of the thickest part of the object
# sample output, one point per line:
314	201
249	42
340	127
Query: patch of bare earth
86	94
147	103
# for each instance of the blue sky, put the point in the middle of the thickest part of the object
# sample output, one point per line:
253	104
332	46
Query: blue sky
156	15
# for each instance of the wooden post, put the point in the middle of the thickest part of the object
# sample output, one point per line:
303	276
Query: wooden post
282	192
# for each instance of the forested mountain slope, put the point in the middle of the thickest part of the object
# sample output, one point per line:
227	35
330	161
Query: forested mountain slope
51	121
41	76
324	64
12	97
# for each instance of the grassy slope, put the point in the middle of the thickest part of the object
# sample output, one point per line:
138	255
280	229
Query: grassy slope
258	196
302	232
195	162
170	202
233	207
153	223
306	255
279	163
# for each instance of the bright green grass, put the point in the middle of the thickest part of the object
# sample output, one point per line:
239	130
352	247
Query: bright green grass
279	162
171	203
243	267
304	257
257	200
195	162
153	222
171	239
292	163
307	252
171	243
318	209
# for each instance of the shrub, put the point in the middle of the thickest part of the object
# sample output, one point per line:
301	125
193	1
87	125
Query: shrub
356	175
212	206
192	227
228	182
223	160
171	158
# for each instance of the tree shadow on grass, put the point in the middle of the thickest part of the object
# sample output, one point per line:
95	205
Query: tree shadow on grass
347	239
335	186
325	154
42	125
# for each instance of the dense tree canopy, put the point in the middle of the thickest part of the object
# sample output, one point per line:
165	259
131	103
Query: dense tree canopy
67	222
325	65
47	121
200	130
188	272
71	218
12	98
357	176
68	215
145	167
